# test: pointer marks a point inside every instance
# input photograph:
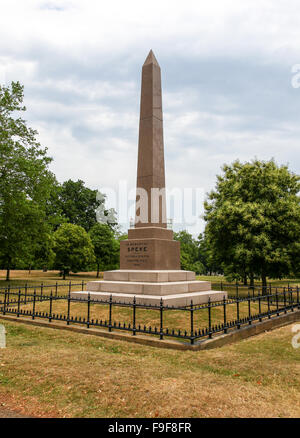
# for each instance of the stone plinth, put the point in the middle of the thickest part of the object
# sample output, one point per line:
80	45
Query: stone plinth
174	287
147	254
150	248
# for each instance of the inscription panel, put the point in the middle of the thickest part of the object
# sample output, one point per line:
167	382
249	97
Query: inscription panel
135	253
149	254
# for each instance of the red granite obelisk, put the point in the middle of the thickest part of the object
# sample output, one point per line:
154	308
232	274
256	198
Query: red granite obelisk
150	259
150	244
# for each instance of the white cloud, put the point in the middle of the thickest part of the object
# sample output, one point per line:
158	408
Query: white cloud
226	68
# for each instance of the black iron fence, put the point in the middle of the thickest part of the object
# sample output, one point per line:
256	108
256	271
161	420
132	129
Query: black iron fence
240	290
42	288
188	324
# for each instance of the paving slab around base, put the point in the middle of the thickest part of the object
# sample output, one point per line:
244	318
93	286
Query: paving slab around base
168	300
147	288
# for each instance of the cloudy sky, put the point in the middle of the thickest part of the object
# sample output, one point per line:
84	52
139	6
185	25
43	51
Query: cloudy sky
226	77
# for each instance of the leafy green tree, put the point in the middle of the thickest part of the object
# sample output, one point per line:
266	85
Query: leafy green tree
75	203
106	247
204	256
54	208
253	221
73	249
189	254
44	256
25	182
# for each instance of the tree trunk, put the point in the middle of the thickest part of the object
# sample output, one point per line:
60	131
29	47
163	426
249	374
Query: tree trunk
245	280
7	274
98	269
64	274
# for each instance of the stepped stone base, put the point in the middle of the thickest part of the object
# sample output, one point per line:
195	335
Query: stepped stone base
174	287
154	300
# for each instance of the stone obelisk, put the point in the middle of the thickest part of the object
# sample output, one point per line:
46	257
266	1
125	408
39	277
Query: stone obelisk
150	244
151	163
150	258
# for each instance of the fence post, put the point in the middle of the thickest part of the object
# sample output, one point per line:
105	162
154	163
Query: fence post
209	319
284	300
134	317
69	307
297	290
19	298
4	303
249	309
268	298
236	289
192	322
238	312
56	289
161	309
89	310
8	294
224	314
277	303
291	300
33	306
110	311
25	298
42	287
259	308
50	310
82	284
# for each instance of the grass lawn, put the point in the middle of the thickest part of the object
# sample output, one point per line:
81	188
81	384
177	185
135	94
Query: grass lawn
36	277
52	373
172	319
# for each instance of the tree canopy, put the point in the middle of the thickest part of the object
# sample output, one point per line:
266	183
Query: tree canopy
76	203
25	181
253	220
106	247
189	252
73	249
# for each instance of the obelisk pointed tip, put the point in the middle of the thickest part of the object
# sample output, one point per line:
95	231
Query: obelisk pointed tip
151	59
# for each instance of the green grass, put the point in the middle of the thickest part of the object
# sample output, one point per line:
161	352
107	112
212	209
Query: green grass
172	319
46	372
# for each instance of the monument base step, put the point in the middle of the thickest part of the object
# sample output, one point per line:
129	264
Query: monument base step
176	300
152	276
147	288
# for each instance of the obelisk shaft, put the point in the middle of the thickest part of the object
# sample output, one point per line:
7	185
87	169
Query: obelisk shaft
151	166
150	244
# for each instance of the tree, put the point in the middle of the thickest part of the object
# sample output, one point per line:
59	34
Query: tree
73	249
189	254
204	256
253	221
76	203
25	182
106	247
43	256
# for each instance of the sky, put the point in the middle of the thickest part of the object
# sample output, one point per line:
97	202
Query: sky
229	80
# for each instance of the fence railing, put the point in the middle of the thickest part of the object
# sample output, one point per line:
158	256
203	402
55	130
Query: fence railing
236	289
192	323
